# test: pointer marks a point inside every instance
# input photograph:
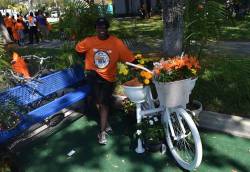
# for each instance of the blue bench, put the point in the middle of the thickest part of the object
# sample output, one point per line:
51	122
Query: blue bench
35	91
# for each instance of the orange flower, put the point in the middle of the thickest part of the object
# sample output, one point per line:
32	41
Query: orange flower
143	73
148	75
157	71
177	64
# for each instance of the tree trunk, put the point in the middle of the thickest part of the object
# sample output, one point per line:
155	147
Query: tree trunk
172	26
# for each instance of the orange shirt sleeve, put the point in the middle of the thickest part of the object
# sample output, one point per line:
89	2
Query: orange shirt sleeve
125	54
82	46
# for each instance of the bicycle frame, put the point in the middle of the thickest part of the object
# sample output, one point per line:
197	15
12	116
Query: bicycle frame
140	113
177	123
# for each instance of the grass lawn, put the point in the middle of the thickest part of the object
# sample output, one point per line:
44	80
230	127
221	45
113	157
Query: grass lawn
238	31
224	85
134	28
151	29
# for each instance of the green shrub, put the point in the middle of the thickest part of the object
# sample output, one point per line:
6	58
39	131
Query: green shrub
79	18
203	21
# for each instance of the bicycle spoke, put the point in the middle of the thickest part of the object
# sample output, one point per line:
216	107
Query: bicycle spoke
183	143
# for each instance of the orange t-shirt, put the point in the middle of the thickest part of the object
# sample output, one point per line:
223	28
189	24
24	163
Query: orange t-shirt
19	26
102	55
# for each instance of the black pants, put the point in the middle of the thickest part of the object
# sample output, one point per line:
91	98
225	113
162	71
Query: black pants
101	90
33	31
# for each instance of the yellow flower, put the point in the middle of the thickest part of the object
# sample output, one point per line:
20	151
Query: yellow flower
193	71
125	72
141	61
146	81
138	56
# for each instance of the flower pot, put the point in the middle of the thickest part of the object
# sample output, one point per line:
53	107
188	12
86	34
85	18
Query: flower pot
173	94
195	108
153	147
136	94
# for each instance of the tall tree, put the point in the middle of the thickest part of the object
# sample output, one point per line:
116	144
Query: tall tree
173	26
4	4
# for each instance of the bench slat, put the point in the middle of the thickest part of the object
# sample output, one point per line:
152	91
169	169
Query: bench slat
41	113
34	91
58	104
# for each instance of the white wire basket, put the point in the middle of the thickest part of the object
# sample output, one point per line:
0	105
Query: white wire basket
174	94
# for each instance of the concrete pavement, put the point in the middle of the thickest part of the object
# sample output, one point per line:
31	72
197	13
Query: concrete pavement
234	125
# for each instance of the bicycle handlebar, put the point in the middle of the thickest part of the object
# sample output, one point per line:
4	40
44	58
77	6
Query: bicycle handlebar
138	66
37	57
20	78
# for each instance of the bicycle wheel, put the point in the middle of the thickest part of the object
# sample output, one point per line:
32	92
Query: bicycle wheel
183	139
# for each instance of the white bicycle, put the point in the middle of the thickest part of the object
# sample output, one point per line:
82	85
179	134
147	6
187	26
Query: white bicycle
181	133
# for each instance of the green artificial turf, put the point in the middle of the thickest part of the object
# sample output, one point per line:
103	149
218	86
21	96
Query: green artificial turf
221	152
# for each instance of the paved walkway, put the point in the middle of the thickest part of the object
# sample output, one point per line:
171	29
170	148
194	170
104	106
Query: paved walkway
234	125
146	45
229	48
220	47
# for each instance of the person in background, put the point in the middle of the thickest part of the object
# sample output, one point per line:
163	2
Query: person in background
149	8
4	31
20	30
102	53
32	28
8	24
16	36
19	17
42	25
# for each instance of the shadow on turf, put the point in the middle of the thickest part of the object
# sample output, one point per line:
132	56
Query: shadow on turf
49	154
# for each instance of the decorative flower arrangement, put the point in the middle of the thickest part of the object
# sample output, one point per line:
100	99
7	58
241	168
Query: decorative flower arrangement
151	131
136	77
177	68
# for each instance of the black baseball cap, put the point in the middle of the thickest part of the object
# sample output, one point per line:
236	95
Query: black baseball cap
102	21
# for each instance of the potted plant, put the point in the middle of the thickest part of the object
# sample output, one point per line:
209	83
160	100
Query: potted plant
136	81
175	78
152	133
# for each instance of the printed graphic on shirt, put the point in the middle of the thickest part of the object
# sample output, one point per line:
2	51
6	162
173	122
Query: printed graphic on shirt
101	59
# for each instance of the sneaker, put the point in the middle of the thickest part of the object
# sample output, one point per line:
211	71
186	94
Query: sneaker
102	138
108	130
